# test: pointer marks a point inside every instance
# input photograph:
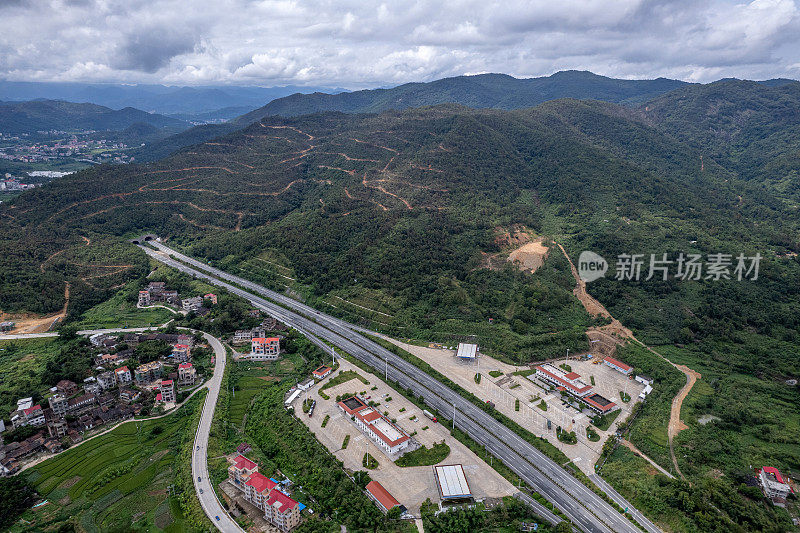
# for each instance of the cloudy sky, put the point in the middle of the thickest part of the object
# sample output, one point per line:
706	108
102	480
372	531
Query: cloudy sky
354	44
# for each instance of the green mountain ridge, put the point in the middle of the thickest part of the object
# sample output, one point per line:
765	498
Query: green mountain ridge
44	115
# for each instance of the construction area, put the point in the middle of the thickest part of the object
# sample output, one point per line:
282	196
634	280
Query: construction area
410	485
505	385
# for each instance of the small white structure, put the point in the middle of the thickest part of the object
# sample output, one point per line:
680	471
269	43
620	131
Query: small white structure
452	482
292	397
647	390
644	380
467	351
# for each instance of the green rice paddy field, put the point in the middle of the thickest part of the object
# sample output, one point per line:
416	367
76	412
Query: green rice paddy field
120	481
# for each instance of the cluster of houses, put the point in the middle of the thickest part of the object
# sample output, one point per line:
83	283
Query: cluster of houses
114	392
265	493
157	293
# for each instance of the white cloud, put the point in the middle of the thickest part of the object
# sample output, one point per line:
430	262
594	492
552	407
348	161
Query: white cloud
353	43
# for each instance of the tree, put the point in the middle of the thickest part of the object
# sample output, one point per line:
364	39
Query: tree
15	497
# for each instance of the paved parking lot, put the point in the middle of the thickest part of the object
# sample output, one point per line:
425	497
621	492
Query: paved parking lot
504	390
411	486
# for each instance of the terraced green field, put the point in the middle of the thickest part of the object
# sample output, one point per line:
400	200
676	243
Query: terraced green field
119	481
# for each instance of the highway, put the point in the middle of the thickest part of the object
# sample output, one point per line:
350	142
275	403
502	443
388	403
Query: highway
202	485
585	509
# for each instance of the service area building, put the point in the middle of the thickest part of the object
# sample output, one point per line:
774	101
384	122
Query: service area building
451	482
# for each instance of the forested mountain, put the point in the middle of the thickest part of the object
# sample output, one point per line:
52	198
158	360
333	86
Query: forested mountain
498	91
400	210
45	115
749	127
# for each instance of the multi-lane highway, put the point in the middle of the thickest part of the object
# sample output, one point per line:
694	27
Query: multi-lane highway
585	508
202	484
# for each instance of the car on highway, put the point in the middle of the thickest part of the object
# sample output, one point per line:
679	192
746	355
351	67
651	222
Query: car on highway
198	448
201	491
217	517
199	479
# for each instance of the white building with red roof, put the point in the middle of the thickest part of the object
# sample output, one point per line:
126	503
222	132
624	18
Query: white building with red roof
181	352
241	469
774	485
34	416
257	489
264	348
123	375
282	510
385	501
264	493
322	372
389	438
569	380
167	391
618	365
187	374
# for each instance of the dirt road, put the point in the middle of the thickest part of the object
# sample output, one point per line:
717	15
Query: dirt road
617	331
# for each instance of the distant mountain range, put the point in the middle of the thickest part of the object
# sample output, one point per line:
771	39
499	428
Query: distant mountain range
498	91
44	115
153	98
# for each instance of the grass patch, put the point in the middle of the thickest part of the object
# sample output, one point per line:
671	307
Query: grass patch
121	311
369	462
425	456
567	437
343	377
325	421
514	386
495	373
542	405
478	378
624	396
345	442
516	404
592	434
604	421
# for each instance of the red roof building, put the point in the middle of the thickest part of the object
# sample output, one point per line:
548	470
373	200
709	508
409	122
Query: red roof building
384	433
381	496
322	372
264	348
618	365
569	380
282	511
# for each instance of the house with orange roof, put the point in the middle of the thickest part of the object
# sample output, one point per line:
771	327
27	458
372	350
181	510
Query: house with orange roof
264	348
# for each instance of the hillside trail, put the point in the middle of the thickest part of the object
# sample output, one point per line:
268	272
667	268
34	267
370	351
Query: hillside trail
620	333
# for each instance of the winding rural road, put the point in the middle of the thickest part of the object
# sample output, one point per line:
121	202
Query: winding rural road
202	482
587	510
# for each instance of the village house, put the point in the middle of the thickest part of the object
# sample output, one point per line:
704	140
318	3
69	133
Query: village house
180	352
211	297
264	493
59	405
322	372
774	485
186	374
106	380
129	395
90	386
264	349
144	298
123	375
167	391
192	304
148	372
67	387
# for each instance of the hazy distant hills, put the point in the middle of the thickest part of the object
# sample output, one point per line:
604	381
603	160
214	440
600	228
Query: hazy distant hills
498	91
44	115
153	98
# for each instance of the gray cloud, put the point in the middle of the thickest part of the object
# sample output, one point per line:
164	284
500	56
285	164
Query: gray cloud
357	43
151	49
